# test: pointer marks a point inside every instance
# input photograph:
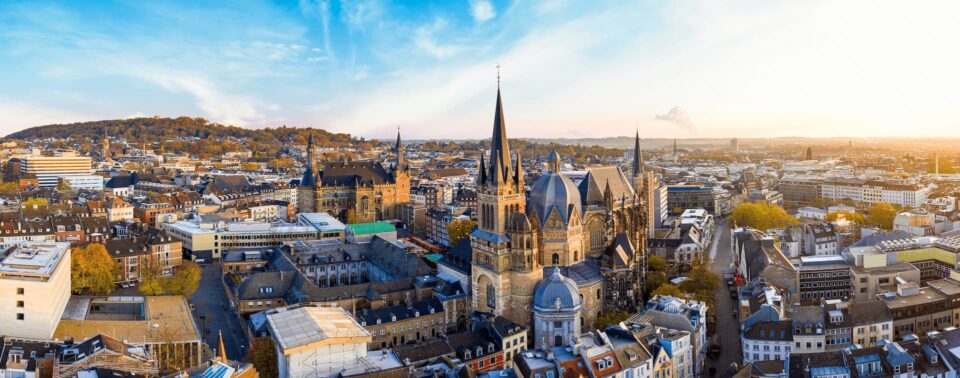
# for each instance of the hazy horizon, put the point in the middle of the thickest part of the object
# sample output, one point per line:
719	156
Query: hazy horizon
696	69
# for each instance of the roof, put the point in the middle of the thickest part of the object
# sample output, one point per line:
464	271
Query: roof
167	319
354	173
371	228
299	328
594	184
556	293
554	192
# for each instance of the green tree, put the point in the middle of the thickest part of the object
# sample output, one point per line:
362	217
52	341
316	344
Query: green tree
762	216
263	356
92	270
459	229
702	284
882	215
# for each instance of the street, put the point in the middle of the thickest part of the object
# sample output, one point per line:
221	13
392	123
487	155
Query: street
211	308
727	327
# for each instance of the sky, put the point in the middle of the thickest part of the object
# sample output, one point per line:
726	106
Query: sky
568	69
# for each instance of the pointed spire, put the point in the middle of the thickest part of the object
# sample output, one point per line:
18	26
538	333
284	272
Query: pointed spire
398	149
518	174
482	172
499	147
608	195
637	157
221	348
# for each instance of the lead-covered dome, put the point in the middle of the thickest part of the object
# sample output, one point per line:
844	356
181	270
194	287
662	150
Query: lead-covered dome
556	293
554	191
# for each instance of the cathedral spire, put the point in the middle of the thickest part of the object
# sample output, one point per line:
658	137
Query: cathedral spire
499	147
637	157
482	172
398	149
311	160
518	174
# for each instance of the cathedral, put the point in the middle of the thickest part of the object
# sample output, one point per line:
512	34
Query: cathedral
354	191
562	255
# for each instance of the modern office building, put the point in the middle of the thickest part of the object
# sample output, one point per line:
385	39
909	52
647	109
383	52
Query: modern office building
49	169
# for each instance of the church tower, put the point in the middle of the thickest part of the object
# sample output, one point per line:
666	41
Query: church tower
309	188
505	271
645	183
105	146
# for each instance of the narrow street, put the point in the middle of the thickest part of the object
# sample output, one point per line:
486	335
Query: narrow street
727	327
213	312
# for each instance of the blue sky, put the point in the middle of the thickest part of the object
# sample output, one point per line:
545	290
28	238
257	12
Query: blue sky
570	68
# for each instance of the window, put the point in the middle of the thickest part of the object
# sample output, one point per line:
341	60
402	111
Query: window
20	304
19	316
19	291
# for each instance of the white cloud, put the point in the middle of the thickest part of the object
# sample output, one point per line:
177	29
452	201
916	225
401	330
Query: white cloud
678	117
426	41
482	10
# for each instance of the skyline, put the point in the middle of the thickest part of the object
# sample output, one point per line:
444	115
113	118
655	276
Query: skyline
673	70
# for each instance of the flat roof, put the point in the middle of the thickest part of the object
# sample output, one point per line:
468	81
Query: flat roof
168	319
371	228
322	221
32	258
925	295
298	328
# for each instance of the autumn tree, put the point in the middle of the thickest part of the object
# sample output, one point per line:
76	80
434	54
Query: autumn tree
841	215
35	201
882	215
92	270
668	290
611	318
702	284
184	281
459	229
762	216
263	356
656	272
151	276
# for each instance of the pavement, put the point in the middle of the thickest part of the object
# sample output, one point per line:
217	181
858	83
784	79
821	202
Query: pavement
213	312
727	327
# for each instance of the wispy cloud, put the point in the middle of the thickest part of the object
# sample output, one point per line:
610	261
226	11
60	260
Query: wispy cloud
426	40
677	116
482	10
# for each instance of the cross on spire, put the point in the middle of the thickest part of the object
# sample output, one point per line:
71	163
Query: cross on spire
498	75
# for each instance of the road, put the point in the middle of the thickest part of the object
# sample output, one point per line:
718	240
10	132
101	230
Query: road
727	327
212	310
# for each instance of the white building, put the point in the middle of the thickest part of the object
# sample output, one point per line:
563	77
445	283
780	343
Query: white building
87	182
34	288
660	208
319	342
49	169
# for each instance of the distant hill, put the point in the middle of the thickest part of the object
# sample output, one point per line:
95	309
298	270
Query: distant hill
155	129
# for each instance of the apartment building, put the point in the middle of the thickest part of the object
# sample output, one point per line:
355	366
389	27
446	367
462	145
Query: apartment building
207	236
406	323
156	249
824	277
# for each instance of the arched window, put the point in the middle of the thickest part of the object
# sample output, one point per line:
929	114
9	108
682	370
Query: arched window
364	203
491	296
576	256
598	293
556	259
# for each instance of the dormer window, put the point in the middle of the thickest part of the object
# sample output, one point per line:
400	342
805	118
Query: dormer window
393	318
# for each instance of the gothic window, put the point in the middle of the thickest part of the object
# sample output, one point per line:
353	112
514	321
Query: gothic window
556	259
576	256
364	203
491	296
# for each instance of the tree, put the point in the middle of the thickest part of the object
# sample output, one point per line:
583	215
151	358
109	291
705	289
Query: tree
668	289
92	270
611	318
35	201
351	216
151	279
184	281
459	229
701	284
882	215
762	216
62	185
844	215
263	356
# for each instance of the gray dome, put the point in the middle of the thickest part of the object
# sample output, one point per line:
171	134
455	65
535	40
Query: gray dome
556	293
554	191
